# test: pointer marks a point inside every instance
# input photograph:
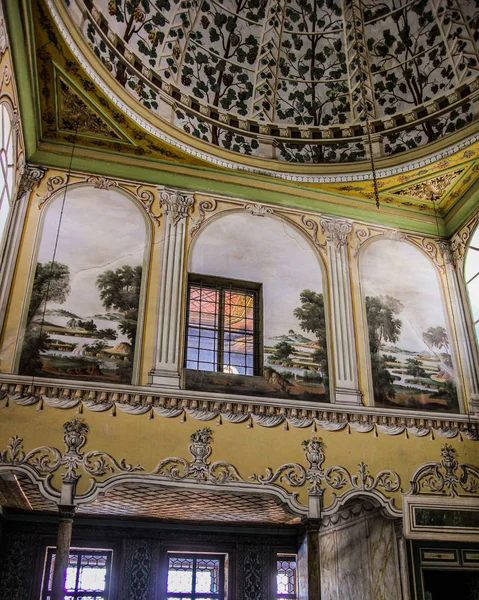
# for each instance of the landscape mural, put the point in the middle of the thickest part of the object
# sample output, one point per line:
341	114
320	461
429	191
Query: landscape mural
409	345
270	252
82	315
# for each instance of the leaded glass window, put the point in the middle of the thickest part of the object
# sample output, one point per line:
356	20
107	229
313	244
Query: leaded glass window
195	576
285	576
88	574
471	274
223	326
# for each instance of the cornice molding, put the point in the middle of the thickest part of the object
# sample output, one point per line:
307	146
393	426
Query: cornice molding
251	411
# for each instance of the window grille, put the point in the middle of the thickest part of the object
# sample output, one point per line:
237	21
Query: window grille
88	574
223	326
195	576
286	585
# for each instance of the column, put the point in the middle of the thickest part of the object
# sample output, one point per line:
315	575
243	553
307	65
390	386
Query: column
62	551
309	574
463	328
166	371
340	302
13	233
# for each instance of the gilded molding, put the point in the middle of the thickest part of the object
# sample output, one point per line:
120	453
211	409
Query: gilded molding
329	417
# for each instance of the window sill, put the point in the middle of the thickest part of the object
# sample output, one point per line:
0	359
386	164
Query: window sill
226	383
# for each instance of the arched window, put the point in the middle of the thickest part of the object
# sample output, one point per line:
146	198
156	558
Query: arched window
7	165
471	274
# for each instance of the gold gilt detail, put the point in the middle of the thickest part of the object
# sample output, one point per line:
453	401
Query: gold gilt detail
431	189
75	113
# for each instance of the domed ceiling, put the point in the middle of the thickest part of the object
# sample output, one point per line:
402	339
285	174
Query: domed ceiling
280	79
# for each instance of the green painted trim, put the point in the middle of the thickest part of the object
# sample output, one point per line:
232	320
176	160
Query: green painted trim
23	73
202	183
60	75
464	212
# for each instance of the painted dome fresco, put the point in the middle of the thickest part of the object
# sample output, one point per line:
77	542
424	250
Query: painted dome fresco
297	81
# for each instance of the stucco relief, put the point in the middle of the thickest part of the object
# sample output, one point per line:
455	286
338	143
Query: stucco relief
106	471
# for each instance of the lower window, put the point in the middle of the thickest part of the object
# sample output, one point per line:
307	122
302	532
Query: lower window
195	576
88	574
285	576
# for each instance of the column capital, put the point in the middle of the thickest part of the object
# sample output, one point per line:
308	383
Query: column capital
177	204
31	176
447	251
337	230
66	511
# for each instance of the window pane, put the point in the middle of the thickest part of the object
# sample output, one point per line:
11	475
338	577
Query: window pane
472	263
87	574
180	575
286	577
203	307
238	311
222	329
473	289
207	575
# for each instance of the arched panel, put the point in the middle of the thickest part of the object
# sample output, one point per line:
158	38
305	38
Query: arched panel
81	316
271	253
409	338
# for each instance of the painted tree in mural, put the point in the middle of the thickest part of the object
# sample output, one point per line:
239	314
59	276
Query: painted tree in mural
383	326
410	65
144	21
312	318
313	87
436	337
120	290
213	64
51	284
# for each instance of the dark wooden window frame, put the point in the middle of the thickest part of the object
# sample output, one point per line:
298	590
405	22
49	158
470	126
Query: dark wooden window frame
235	285
195	557
79	551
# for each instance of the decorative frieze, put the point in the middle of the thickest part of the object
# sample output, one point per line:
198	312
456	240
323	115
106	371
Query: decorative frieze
147	401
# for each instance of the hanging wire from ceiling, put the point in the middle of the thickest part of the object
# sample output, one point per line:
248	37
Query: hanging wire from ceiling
57	237
360	51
